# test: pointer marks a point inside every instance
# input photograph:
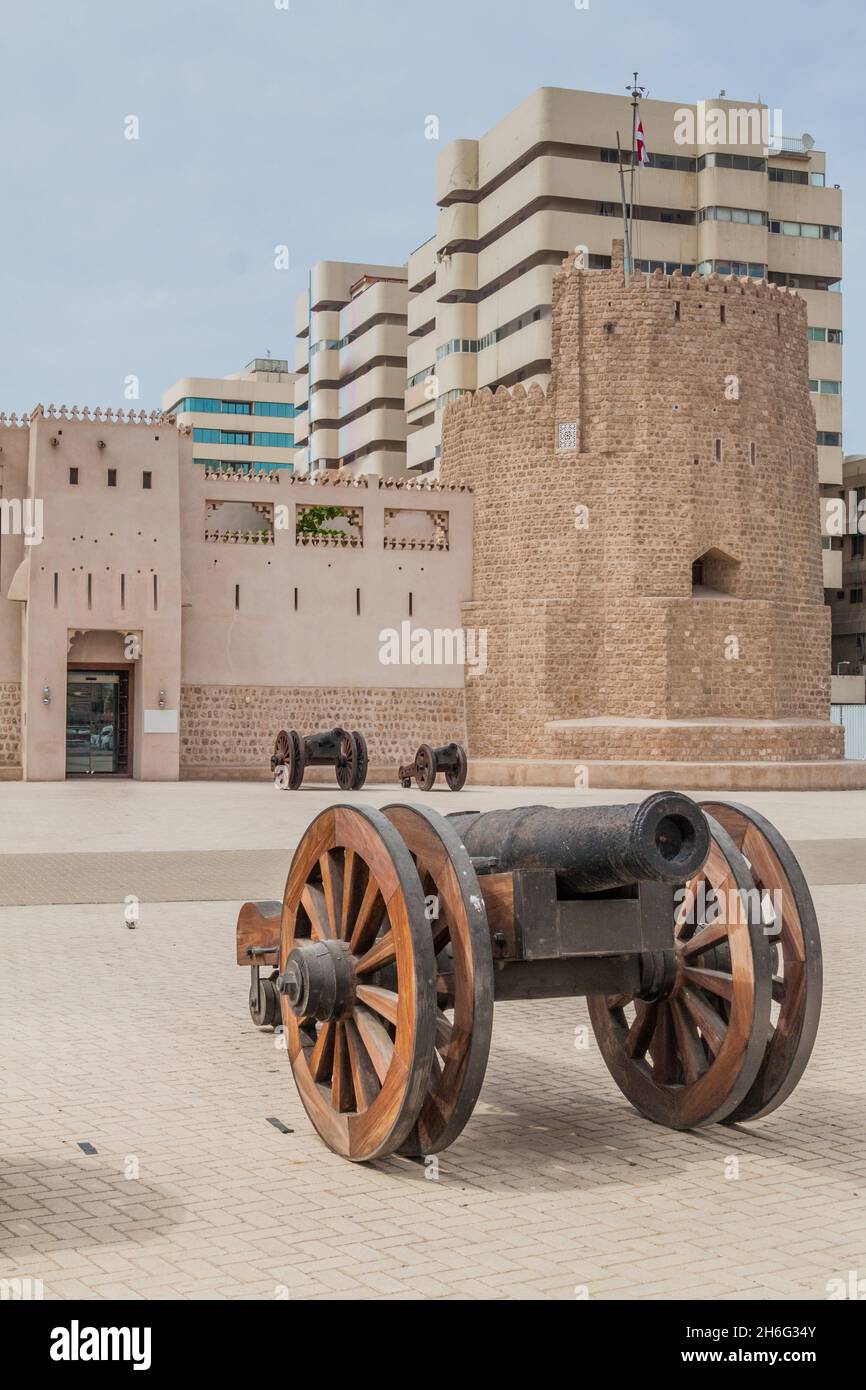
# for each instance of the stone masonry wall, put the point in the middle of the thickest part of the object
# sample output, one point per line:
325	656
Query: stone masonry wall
10	724
234	726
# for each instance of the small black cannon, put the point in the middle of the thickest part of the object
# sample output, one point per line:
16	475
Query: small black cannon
689	928
345	752
450	759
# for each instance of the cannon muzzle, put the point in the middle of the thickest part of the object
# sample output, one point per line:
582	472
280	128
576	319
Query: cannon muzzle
664	839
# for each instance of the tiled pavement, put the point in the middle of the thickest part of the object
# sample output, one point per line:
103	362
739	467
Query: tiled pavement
139	1043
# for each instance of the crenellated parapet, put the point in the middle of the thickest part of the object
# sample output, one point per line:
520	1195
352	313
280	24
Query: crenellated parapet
94	415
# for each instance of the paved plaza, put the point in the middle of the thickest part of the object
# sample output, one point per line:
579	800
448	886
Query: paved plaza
152	1144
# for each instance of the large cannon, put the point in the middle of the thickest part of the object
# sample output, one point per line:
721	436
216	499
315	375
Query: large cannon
690	928
345	752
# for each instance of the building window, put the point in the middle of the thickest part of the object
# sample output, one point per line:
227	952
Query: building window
112	477
237	596
73	477
155	594
857	547
236	408
146	479
815	230
828	439
718	451
56	589
203	436
787	176
753	453
234	437
750	217
751	269
856	595
270	441
123	591
732	161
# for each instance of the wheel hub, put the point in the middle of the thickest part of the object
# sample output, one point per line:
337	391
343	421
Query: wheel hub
319	980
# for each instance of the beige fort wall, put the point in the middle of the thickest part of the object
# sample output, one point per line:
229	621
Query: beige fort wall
677	426
242	626
303	648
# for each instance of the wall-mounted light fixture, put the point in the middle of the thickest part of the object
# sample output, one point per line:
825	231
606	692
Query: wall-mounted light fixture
162	699
46	695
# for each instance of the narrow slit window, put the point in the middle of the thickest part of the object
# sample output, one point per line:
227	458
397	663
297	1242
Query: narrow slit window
753	453
90	591
155	593
721	313
112	477
358	602
676	311
146	479
56	589
718	451
73	477
123	591
237	596
410	603
296	600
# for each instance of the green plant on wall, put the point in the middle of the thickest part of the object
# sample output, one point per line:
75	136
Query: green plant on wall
310	521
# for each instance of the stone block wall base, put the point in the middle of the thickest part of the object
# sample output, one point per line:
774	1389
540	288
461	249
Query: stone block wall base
9	773
695	740
837	774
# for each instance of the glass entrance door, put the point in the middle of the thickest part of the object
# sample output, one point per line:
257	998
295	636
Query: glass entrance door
95	722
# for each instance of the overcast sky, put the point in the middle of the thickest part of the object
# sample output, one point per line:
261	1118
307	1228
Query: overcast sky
262	126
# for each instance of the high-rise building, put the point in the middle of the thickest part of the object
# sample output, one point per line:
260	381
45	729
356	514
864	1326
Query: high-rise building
350	360
545	182
849	548
243	421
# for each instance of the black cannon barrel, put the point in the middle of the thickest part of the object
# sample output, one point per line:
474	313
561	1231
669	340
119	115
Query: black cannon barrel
664	839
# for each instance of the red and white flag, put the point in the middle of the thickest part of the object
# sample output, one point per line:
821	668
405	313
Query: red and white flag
642	152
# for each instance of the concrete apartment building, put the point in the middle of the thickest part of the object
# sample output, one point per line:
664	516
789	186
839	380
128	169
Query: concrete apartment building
243	420
847	600
160	619
545	181
350	360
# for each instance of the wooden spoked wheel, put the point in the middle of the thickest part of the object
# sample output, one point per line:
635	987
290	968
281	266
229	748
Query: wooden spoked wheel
425	767
461	943
346	766
792	929
363	760
690	1057
457	777
289	753
357	982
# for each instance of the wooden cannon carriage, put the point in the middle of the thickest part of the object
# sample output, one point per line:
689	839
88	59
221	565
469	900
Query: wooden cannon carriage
691	929
450	760
345	752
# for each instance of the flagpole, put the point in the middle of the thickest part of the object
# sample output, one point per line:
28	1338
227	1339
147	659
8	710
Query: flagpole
625	226
636	93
